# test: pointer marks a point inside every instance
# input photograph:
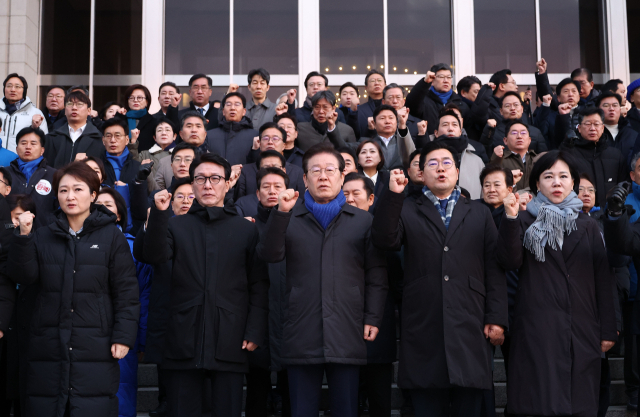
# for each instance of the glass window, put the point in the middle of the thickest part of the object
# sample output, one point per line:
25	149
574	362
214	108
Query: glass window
265	35
65	51
118	51
351	36
592	36
196	37
633	17
103	95
419	35
505	36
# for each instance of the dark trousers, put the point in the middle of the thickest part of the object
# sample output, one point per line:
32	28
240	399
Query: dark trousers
605	387
305	386
185	393
258	389
631	378
375	381
282	389
447	402
162	384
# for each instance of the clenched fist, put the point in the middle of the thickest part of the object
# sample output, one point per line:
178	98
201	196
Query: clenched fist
287	199
512	204
397	181
232	88
26	222
429	77
162	200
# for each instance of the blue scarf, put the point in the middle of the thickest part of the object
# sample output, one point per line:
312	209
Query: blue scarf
324	213
132	116
445	208
117	162
28	168
444	97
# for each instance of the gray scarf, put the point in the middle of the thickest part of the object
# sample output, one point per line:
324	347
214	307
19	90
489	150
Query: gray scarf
552	222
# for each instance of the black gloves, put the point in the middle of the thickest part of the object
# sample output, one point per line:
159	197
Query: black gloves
143	172
616	198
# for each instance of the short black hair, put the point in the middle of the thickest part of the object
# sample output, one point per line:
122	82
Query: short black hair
103	111
97	161
369	187
261	72
566	81
192	113
177	183
509	94
608	94
273	125
448	112
212	158
611	85
434	146
29	129
323	94
378	148
382	108
165	119
493	168
349	151
181	147
24	201
52	87
121	204
586	176
579	71
269	154
467	82
77	96
115	121
198	76
371	72
22	80
590	111
6	175
169	84
83	89
511	123
321	148
289	116
263	172
546	161
234	94
413	155
391	86
349	84
440	67
500	77
316	74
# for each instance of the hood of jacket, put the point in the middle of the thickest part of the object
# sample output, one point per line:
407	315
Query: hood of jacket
26	102
100	217
210	214
595	148
243	124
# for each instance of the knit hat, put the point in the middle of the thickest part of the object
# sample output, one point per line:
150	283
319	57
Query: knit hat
632	87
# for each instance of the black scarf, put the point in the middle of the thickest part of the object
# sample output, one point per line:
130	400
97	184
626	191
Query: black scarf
319	127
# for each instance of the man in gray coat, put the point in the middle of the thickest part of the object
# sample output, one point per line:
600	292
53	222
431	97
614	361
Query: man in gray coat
324	125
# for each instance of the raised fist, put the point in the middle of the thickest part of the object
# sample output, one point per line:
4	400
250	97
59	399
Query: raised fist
291	95
542	66
162	200
287	199
564	108
422	127
499	151
546	100
281	109
36	121
135	133
512	204
26	222
397	181
429	77
492	123
232	88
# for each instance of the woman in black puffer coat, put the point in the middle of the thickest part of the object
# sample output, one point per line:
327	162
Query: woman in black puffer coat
86	311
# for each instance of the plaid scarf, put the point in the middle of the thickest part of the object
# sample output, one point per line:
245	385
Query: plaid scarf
445	213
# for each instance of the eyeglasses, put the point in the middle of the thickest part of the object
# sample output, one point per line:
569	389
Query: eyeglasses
137	98
446	164
520	133
181	197
199	88
78	104
16	86
58	97
590	124
607	105
330	171
589	190
110	136
512	106
5	183
325	109
230	104
394	98
214	179
271	166
180	160
312	85
274	139
444	77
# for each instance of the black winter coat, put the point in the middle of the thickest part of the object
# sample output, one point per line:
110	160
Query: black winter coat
634	118
147	127
365	110
564	308
232	140
87	301
211	115
624	141
303	114
59	149
336	283
247	183
452	288
493	137
219	287
39	188
425	105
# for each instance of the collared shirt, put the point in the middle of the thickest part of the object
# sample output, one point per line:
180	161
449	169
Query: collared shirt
373	178
74	233
386	140
75	134
205	108
262	113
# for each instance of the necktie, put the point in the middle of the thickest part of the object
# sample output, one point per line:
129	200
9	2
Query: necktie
443	204
201	111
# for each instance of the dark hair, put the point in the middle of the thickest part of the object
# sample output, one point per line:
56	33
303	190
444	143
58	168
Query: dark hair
440	67
131	89
24	201
382	108
369	187
77	97
79	170
165	119
316	74
434	146
500	77
349	84
213	159
493	168
192	113
234	94
608	94
451	106
350	151
378	147
97	161
263	172
121	205
391	87
177	183
168	84
566	81
198	76
511	94
413	155
586	176
103	111
115	121
467	82
270	154
590	111
611	85
261	72
27	130
273	125
181	147
579	71
370	73
546	161
324	94
6	176
22	80
510	124
51	87
83	89
291	117
448	112
322	148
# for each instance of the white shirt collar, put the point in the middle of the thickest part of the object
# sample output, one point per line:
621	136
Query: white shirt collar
373	178
75	134
386	140
206	108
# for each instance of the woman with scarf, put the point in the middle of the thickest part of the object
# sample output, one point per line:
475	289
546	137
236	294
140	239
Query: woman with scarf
564	318
136	114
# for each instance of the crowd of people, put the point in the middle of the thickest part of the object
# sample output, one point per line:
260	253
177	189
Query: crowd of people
282	242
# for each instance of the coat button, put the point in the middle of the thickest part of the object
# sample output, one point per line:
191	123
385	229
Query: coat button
446	277
72	310
70	348
446	248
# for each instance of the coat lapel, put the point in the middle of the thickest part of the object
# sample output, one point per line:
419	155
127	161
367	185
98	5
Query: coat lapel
571	241
427	208
459	212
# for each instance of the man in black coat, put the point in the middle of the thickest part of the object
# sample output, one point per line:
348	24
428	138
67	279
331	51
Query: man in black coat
375	82
200	92
247	183
290	125
31	175
219	291
314	82
618	133
454	295
77	136
168	96
233	140
430	94
336	285
393	95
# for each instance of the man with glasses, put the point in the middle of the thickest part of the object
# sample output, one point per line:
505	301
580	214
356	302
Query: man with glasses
375	82
618	133
454	304
219	292
516	153
393	95
314	83
54	106
17	111
430	94
324	125
77	138
200	92
604	163
588	94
